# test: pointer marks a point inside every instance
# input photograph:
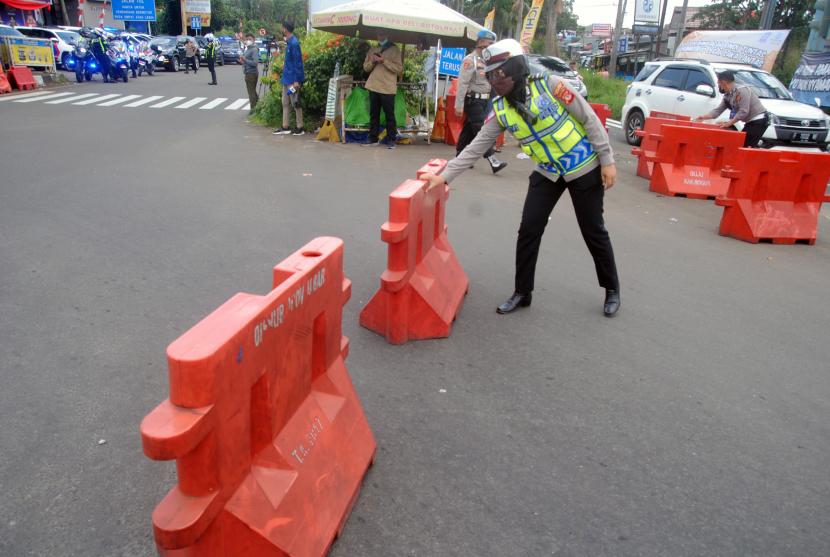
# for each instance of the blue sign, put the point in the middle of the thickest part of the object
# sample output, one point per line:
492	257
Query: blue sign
623	46
134	10
451	59
195	22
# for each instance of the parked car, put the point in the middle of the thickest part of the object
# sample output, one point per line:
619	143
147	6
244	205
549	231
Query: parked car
558	67
202	42
230	51
7	31
63	40
689	88
170	55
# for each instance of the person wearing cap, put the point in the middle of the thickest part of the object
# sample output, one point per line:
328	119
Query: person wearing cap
473	97
559	130
744	106
210	56
383	63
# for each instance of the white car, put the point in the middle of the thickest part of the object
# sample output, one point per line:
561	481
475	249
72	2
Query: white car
689	88
63	40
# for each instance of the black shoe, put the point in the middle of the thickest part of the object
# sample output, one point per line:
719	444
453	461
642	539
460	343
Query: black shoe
515	302
496	164
612	302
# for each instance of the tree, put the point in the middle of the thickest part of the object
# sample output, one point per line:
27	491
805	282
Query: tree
746	14
551	40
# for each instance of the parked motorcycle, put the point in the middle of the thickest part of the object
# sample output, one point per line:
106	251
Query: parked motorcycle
119	61
82	61
147	58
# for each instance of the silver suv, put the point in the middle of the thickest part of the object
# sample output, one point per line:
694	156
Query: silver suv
689	88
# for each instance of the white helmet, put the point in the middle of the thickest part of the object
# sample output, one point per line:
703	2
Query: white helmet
209	37
500	52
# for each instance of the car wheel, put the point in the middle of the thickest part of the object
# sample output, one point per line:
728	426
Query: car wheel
174	65
633	122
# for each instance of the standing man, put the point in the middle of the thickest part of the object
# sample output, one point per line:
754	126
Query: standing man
210	56
744	106
292	79
98	45
558	129
250	68
473	98
190	51
383	64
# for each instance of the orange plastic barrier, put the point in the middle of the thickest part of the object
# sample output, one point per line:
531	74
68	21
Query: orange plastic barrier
423	287
603	111
21	77
689	160
270	441
5	86
774	196
668	116
651	128
454	123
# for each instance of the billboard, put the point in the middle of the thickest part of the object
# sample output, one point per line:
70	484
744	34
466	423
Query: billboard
601	30
646	11
134	10
812	79
198	8
758	48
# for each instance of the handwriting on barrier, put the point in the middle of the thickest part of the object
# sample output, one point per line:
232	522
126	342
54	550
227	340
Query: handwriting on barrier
295	300
304	449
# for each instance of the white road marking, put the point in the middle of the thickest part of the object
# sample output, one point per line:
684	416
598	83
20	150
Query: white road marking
71	99
246	106
144	101
121	100
213	104
98	99
52	96
18	97
237	104
192	102
168	102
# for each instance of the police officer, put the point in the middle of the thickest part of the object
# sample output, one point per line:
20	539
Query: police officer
558	129
210	56
744	106
473	97
99	45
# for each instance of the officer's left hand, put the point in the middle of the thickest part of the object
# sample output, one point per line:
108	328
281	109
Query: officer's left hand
726	124
459	113
609	176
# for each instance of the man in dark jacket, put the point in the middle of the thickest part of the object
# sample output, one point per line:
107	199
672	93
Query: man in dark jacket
250	67
292	79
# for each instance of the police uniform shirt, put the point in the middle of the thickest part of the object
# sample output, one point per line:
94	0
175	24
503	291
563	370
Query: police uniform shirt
471	79
743	104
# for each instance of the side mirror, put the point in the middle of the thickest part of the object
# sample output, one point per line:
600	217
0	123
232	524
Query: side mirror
704	89
817	101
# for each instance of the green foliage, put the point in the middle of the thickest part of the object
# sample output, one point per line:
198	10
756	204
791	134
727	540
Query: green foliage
746	14
790	56
604	90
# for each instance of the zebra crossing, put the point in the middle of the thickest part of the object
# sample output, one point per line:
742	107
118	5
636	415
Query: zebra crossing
127	101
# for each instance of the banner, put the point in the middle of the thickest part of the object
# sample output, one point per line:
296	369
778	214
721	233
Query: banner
812	79
531	21
134	10
601	30
451	59
490	19
200	8
647	11
758	48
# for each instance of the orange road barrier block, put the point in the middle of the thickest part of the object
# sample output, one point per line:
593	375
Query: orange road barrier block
651	128
5	86
454	123
774	196
423	287
439	124
668	116
21	77
270	441
689	160
603	111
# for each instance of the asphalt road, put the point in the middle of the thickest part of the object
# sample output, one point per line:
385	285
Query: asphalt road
696	423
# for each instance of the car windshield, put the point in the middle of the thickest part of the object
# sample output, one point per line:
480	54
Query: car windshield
69	36
765	85
163	41
9	32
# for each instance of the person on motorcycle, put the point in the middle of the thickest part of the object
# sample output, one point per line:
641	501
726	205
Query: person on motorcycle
210	56
98	44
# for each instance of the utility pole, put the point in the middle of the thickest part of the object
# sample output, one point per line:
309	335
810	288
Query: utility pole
184	18
615	39
768	14
682	28
519	22
660	28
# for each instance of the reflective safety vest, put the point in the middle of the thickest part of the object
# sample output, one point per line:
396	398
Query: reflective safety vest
557	141
210	51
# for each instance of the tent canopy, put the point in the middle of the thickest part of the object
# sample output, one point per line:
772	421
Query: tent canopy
406	21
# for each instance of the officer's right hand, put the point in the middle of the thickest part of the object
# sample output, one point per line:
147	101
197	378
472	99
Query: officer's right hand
432	180
459	113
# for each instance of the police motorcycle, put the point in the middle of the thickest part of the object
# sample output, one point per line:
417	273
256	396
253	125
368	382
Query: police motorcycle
147	58
133	61
82	61
119	60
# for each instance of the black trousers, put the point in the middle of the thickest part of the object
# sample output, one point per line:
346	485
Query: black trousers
387	102
212	68
587	196
476	111
104	63
755	131
188	61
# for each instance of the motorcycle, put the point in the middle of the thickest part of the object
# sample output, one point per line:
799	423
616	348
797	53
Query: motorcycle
147	58
119	61
83	62
133	60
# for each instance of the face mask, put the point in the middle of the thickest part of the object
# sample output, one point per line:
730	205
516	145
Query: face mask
249	43
502	85
721	90
383	43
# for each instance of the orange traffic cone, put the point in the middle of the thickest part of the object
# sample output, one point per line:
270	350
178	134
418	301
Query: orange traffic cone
439	124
